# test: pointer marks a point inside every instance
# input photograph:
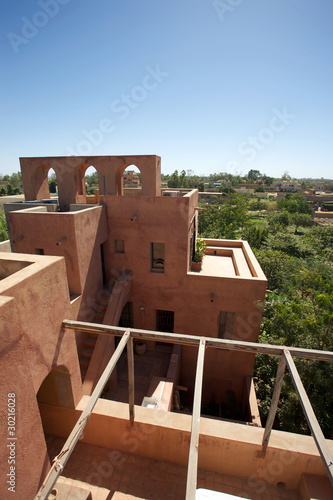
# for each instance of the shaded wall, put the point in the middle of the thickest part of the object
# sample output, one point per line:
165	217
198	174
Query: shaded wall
31	346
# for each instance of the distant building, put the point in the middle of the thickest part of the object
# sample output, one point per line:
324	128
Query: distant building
284	187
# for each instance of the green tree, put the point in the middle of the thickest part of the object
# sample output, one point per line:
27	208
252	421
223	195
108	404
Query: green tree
254	175
53	184
183	179
295	203
3	227
300	219
224	220
173	181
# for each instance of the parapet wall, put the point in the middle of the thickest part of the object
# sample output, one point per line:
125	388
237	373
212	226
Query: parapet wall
225	447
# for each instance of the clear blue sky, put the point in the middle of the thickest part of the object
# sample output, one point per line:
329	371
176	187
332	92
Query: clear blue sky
210	86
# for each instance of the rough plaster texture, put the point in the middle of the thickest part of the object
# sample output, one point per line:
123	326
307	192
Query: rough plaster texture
31	346
225	447
70	176
54	288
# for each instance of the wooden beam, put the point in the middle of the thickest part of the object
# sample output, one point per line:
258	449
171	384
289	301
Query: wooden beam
130	365
192	469
61	459
275	401
176	338
310	416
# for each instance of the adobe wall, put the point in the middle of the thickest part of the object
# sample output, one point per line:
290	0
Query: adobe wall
79	236
142	220
31	346
225	447
70	176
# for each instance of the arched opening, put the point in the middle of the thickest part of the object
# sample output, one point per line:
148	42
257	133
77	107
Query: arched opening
91	185
87	184
129	181
53	183
56	389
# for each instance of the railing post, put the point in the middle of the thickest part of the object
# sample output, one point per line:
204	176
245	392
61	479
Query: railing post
130	364
311	418
192	469
274	402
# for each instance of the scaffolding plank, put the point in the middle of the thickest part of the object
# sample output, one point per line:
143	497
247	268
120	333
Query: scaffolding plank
275	400
311	418
192	469
130	363
177	338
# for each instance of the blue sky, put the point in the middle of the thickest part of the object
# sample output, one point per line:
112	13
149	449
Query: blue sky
209	85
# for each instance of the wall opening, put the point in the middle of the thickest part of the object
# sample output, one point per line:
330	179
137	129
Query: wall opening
157	257
91	180
129	181
53	183
87	184
56	388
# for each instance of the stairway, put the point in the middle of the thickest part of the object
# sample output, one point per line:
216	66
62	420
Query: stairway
90	342
109	312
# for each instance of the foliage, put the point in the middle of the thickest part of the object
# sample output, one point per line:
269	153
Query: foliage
199	250
278	220
225	220
3	227
258	205
53	184
299	309
255	234
92	180
178	181
11	184
293	203
300	219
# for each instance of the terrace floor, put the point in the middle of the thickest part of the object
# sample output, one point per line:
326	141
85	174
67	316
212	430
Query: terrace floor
115	475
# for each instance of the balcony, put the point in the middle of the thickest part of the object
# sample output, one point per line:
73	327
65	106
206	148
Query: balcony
152	453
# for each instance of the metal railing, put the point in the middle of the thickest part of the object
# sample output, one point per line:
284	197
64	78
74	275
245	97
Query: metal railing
285	354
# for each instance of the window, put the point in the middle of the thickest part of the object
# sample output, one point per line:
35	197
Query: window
119	246
126	318
157	257
39	251
226	326
164	321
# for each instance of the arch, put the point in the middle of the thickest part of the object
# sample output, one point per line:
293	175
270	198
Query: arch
56	388
41	183
91	180
85	195
53	182
133	178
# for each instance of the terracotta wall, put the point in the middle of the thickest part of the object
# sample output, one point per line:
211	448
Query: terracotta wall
32	344
225	447
142	220
70	173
